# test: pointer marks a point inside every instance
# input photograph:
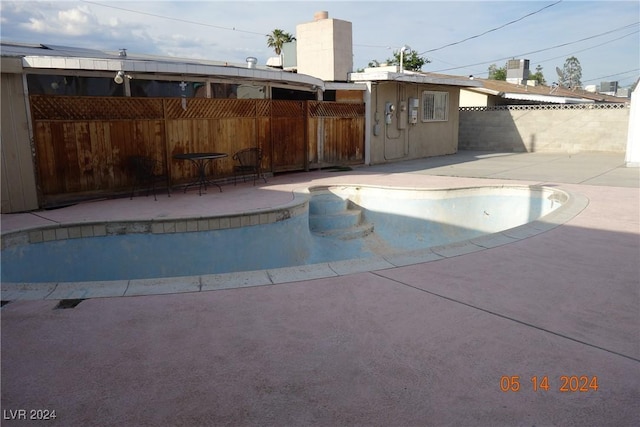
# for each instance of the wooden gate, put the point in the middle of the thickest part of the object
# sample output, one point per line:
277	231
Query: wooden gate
335	133
287	134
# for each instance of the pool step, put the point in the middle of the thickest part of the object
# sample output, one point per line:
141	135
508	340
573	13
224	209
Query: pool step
355	232
332	216
335	221
327	203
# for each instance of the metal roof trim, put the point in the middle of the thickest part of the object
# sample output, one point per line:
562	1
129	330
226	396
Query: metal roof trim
547	98
133	66
409	77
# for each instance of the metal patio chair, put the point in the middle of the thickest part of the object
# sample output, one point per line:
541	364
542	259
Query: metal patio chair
249	161
144	171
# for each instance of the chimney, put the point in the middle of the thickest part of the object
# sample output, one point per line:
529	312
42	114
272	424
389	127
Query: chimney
318	16
324	48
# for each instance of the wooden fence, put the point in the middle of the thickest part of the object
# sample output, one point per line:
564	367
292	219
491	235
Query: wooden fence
82	143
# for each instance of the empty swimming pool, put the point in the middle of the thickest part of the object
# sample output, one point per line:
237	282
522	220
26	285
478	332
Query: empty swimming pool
321	225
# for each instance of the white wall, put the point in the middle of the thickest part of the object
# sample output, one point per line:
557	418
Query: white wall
632	157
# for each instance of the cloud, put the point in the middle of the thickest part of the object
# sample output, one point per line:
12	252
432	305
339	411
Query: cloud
231	31
77	21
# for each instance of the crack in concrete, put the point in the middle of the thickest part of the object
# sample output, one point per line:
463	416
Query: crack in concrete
493	313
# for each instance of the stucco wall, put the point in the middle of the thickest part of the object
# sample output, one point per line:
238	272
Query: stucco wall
570	129
632	157
18	175
400	140
324	49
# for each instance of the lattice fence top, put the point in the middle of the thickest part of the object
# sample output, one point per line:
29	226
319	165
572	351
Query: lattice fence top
616	106
263	107
195	108
122	108
287	108
94	108
335	109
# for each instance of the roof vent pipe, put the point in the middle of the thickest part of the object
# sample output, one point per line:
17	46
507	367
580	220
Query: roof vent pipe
251	62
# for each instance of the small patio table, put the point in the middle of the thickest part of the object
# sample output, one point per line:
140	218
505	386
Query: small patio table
200	161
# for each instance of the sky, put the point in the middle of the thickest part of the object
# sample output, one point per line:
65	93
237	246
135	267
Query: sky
457	37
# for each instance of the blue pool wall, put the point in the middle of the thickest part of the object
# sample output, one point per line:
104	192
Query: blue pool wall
403	219
409	219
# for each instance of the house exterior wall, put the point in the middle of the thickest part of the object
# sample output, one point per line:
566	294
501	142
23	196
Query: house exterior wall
400	140
18	177
565	129
469	98
324	49
356	96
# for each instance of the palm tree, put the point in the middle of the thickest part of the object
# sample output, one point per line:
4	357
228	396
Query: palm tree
277	38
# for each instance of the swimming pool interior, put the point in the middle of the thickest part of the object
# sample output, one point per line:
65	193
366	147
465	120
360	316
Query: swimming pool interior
330	223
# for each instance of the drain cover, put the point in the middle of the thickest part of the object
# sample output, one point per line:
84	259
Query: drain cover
68	303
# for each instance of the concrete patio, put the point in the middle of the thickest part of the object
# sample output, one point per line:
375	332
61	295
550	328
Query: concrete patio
425	344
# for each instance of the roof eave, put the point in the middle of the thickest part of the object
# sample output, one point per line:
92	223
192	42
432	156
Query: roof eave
411	78
133	66
487	91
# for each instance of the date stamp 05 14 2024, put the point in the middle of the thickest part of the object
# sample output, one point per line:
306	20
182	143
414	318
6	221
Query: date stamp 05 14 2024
565	384
29	414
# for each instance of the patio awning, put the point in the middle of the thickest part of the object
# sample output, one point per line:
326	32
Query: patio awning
546	98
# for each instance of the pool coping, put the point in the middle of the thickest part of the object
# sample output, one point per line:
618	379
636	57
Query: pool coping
575	203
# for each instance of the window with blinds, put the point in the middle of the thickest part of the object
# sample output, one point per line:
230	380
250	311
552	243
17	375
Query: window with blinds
435	106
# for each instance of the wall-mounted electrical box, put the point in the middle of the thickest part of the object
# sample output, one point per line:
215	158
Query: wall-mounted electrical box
413	110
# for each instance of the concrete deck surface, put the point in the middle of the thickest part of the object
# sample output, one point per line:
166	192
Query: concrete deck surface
426	344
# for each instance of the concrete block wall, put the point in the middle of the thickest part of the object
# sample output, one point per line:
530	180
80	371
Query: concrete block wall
567	129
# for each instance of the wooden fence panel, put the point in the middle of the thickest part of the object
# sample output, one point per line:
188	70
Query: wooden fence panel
43	136
288	136
263	133
315	131
207	135
288	148
336	133
86	156
82	143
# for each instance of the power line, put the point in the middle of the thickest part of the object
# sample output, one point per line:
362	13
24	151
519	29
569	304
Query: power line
592	47
612	75
539	50
478	73
199	23
491	30
174	19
